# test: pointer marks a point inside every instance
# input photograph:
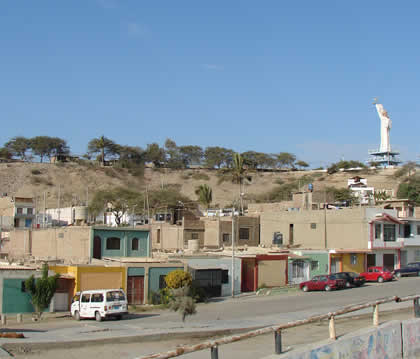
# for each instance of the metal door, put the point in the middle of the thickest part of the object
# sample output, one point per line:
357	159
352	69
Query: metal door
135	289
389	261
97	247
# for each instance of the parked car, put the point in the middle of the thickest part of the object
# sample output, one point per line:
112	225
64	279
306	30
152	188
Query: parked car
99	304
409	269
377	274
352	279
323	282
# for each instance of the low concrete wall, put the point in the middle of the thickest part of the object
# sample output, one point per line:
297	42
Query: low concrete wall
382	342
411	338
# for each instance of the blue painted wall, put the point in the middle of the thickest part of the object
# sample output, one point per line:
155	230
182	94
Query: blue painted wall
14	300
155	273
126	238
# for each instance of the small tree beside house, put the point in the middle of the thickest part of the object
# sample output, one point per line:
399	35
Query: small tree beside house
41	290
179	284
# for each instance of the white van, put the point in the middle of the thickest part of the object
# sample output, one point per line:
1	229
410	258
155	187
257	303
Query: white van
99	304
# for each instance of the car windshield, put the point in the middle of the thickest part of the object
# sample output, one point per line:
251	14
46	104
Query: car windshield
353	275
114	296
332	277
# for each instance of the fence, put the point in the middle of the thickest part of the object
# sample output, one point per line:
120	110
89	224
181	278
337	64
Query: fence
213	345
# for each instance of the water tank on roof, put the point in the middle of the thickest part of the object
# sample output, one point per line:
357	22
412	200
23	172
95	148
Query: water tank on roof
80	213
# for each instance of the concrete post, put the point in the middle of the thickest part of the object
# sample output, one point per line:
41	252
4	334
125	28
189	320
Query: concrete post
416	308
3	319
19	318
214	352
277	342
376	315
332	328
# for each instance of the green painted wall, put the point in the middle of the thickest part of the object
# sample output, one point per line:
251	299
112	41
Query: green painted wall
126	238
322	259
135	271
14	300
155	273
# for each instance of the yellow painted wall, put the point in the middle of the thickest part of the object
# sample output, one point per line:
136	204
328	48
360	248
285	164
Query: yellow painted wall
358	267
83	276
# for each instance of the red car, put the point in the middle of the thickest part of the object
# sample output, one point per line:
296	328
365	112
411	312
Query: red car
377	274
323	282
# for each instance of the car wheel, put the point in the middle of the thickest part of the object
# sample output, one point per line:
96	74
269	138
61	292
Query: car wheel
380	280
305	288
98	317
327	288
76	315
348	284
119	317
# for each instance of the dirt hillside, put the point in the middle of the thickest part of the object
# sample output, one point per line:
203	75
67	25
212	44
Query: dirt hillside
77	182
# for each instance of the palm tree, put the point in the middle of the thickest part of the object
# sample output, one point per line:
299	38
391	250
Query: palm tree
205	195
239	173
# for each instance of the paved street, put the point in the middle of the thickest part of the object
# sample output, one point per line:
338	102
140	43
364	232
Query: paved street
243	312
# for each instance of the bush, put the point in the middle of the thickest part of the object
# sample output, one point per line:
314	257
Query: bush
36	172
199	294
200	176
163	296
178	278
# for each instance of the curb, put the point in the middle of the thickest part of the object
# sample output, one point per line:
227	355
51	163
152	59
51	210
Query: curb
22	347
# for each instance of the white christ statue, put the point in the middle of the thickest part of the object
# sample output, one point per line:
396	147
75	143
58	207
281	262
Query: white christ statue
386	125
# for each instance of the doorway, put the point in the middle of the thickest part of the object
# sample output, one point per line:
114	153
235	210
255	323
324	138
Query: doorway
371	260
135	289
389	261
97	247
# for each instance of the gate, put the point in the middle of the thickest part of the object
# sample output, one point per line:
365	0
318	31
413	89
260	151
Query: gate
135	289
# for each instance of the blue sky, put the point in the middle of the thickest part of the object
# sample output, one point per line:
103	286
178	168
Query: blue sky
269	76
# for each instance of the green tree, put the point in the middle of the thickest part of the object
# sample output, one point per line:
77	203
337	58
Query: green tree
45	146
258	159
41	290
407	170
131	156
182	301
410	189
119	201
18	146
286	159
155	154
5	154
218	157
205	195
173	155
191	154
341	194
302	164
104	146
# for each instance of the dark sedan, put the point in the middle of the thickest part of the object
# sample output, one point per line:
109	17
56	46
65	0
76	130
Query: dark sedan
352	279
409	269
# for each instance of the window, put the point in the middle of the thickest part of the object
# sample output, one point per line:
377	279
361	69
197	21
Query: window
19	210
97	298
417	255
314	265
194	235
407	231
389	233
353	259
23	287
313	225
135	244
418	229
114	296
85	298
113	243
323	279
244	234
225	276
226	237
162	282
378	230
29	211
277	238
158	236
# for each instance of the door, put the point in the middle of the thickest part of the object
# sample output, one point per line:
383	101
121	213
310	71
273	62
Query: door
248	267
335	263
371	260
389	261
97	247
85	306
135	289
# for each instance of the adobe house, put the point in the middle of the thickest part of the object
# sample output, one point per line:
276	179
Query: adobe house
16	212
78	244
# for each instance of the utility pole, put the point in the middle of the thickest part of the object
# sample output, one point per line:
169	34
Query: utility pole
58	204
148	208
233	252
45	209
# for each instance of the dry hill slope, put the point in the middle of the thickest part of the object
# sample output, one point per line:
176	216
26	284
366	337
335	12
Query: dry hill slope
77	181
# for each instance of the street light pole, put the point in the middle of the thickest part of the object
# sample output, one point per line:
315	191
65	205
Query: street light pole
233	252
